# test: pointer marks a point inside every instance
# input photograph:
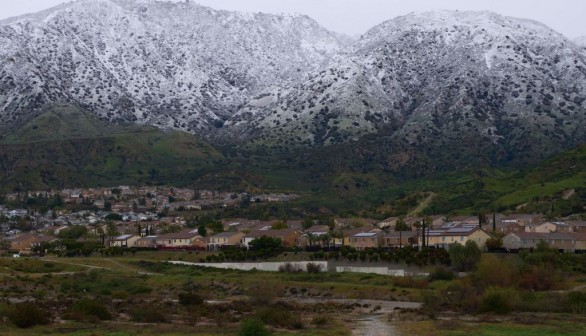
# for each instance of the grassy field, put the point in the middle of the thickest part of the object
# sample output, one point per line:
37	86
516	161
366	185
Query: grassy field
528	326
147	296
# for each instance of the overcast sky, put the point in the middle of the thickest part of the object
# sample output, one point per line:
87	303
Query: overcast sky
354	17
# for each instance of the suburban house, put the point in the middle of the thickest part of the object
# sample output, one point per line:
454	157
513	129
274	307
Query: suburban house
388	222
354	222
437	220
314	236
541	227
567	242
148	242
579	226
563	227
25	242
182	239
471	220
506	228
57	229
224	239
523	219
461	234
288	236
126	240
399	238
366	240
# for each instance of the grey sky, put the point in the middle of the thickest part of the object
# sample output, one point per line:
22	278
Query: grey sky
354	17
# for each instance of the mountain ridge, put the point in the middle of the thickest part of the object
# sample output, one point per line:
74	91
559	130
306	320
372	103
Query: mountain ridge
444	88
174	65
481	81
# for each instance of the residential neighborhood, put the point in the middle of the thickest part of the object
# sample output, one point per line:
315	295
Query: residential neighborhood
151	218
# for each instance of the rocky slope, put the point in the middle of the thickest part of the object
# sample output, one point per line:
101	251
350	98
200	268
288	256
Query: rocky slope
178	65
454	83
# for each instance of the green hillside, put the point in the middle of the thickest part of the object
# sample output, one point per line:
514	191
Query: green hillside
67	147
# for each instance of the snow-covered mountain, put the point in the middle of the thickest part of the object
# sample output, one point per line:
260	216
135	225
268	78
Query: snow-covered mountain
168	64
437	81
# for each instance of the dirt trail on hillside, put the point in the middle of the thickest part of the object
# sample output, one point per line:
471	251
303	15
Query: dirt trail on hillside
426	202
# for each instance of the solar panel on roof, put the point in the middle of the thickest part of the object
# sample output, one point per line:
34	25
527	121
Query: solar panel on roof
459	230
365	234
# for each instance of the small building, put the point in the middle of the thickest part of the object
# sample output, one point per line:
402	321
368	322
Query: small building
566	242
523	219
399	238
367	240
126	240
388	223
146	242
182	239
458	234
578	226
288	236
25	242
541	227
317	235
224	239
506	228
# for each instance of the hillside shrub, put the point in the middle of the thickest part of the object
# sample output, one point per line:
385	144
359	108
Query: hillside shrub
576	302
494	271
289	268
464	258
190	299
440	273
540	278
279	316
313	268
26	315
252	327
410	282
147	314
498	300
89	310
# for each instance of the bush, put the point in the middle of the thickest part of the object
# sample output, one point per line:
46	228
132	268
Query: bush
458	295
85	309
320	321
498	300
313	268
147	314
289	268
577	302
464	258
540	278
441	273
26	315
252	327
190	299
494	271
410	282
279	316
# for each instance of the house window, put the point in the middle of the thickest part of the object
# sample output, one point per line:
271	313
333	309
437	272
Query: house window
461	238
443	239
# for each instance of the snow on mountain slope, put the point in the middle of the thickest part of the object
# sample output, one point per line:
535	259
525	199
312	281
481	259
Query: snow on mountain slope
168	64
581	43
436	81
